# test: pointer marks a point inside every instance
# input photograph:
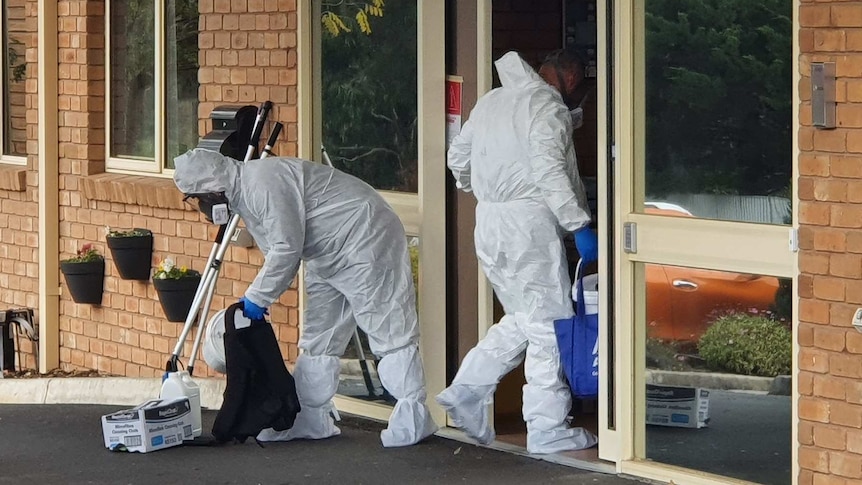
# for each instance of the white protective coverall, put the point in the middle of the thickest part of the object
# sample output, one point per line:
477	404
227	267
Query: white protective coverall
515	153
357	271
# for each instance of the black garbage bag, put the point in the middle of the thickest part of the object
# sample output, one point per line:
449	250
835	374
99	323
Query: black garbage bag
260	391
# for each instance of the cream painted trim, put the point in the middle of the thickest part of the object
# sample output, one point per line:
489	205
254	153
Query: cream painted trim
624	313
702	243
671	474
608	438
359	407
49	191
10	159
406	205
307	83
794	401
432	198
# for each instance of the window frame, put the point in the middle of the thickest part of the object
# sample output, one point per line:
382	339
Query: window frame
4	158
157	166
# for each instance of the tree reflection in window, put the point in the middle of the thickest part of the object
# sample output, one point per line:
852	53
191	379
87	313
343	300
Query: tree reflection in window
369	98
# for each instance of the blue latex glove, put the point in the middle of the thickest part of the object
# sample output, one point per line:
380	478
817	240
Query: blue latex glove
252	311
587	243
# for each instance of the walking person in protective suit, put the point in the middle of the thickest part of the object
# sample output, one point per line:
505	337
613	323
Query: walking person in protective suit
515	153
357	272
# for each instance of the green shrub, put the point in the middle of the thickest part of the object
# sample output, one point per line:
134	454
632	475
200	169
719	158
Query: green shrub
747	344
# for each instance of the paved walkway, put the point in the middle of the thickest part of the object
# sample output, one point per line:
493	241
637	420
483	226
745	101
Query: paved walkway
62	444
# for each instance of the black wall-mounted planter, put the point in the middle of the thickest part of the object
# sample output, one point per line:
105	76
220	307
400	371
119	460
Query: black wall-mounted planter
177	296
85	281
133	255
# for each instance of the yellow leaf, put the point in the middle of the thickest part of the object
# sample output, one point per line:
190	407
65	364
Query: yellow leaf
340	23
362	20
330	24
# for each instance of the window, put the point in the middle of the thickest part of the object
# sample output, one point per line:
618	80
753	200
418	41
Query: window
153	82
369	91
18	32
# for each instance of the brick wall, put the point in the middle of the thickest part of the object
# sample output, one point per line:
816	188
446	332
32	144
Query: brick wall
830	258
19	223
248	55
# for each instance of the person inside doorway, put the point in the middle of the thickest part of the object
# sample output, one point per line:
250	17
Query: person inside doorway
357	272
515	153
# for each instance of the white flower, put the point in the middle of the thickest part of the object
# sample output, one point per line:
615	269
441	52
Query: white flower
168	264
162	276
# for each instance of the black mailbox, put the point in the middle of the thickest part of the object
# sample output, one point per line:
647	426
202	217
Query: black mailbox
232	126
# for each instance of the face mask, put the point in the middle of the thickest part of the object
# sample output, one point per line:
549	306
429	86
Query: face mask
577	117
214	206
578	114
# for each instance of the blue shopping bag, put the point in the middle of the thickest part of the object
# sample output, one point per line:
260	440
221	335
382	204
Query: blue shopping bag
578	340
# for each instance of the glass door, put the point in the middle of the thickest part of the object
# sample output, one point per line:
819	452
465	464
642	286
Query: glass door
371	102
704	96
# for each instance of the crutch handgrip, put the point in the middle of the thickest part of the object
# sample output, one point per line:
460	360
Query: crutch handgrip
273	138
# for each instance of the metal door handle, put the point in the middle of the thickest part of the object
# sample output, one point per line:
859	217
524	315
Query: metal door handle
685	284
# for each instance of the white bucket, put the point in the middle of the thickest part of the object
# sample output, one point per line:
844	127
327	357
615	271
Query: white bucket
180	384
591	293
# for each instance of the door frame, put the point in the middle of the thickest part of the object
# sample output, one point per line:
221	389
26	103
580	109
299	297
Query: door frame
422	214
768	253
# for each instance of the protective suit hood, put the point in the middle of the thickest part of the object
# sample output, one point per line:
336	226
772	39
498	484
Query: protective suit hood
201	171
514	72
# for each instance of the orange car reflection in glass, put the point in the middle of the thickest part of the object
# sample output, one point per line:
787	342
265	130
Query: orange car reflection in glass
681	303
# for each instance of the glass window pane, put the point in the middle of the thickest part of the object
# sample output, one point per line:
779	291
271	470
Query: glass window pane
181	72
718	94
132	83
719	352
369	94
17	34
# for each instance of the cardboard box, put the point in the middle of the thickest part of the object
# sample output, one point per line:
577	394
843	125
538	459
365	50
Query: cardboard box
151	426
682	407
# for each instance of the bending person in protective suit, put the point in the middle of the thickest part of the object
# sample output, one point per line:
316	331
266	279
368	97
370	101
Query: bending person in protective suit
516	154
357	271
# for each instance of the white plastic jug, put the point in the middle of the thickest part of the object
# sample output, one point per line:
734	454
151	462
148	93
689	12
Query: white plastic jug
591	293
180	384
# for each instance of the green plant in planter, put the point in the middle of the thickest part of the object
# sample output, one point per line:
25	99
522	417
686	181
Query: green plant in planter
87	254
85	275
132	251
176	286
137	232
168	270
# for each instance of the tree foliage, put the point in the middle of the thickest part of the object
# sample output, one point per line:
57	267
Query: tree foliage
370	101
338	16
718	96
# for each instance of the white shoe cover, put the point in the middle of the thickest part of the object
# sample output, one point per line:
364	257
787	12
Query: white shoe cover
310	424
422	425
468	407
556	441
402	375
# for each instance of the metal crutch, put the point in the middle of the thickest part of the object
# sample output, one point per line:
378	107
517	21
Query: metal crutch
267	150
357	341
206	288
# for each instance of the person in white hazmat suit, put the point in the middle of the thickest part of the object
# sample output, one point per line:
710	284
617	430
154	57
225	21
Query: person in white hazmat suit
357	271
516	154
